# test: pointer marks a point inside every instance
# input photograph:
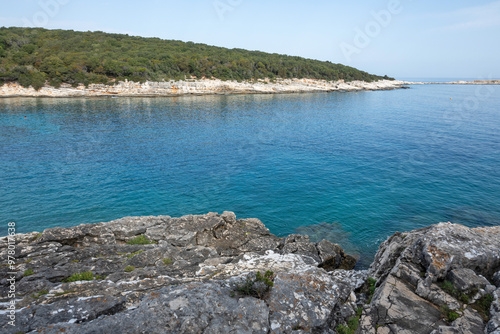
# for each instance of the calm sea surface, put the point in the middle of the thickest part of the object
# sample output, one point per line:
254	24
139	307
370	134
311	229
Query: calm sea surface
351	167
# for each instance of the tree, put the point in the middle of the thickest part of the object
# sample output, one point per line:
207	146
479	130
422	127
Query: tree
95	57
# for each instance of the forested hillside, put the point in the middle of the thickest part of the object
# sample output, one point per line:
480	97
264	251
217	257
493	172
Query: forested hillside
33	56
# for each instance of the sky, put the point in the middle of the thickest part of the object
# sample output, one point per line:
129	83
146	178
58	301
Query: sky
405	39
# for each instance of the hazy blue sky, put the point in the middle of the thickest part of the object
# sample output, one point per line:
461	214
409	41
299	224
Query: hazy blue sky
400	38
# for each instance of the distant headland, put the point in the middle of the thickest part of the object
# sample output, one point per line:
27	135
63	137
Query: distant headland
36	57
458	82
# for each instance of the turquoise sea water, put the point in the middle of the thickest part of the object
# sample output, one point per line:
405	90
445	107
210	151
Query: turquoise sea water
352	167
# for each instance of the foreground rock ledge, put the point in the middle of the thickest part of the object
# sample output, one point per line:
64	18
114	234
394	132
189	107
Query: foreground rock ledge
183	282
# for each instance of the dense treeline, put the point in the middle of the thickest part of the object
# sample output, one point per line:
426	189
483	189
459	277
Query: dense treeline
34	56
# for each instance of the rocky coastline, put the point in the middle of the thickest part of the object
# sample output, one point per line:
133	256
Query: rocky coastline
215	273
459	82
474	82
197	87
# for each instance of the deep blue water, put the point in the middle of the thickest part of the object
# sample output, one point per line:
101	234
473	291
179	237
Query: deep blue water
351	167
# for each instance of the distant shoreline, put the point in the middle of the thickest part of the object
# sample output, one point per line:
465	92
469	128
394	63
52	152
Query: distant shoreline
198	87
458	82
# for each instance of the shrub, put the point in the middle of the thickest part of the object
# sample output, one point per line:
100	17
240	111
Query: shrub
359	311
464	298
84	276
167	262
28	272
483	305
448	287
352	323
129	269
134	254
140	240
40	293
255	284
452	316
449	315
343	329
371	282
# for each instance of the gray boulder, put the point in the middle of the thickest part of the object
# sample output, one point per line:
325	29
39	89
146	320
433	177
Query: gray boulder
437	279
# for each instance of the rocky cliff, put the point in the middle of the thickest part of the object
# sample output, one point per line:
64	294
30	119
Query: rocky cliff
218	274
198	87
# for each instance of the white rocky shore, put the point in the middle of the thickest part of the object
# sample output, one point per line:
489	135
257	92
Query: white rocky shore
198	87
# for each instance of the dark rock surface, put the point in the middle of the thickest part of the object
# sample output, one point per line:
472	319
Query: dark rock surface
436	280
440	279
181	282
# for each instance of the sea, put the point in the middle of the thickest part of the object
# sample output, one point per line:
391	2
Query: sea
350	167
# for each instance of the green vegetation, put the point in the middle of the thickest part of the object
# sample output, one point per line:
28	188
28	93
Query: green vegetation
255	284
140	240
167	262
352	323
84	276
448	287
483	305
343	329
33	56
371	284
129	269
449	315
28	272
40	293
134	254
